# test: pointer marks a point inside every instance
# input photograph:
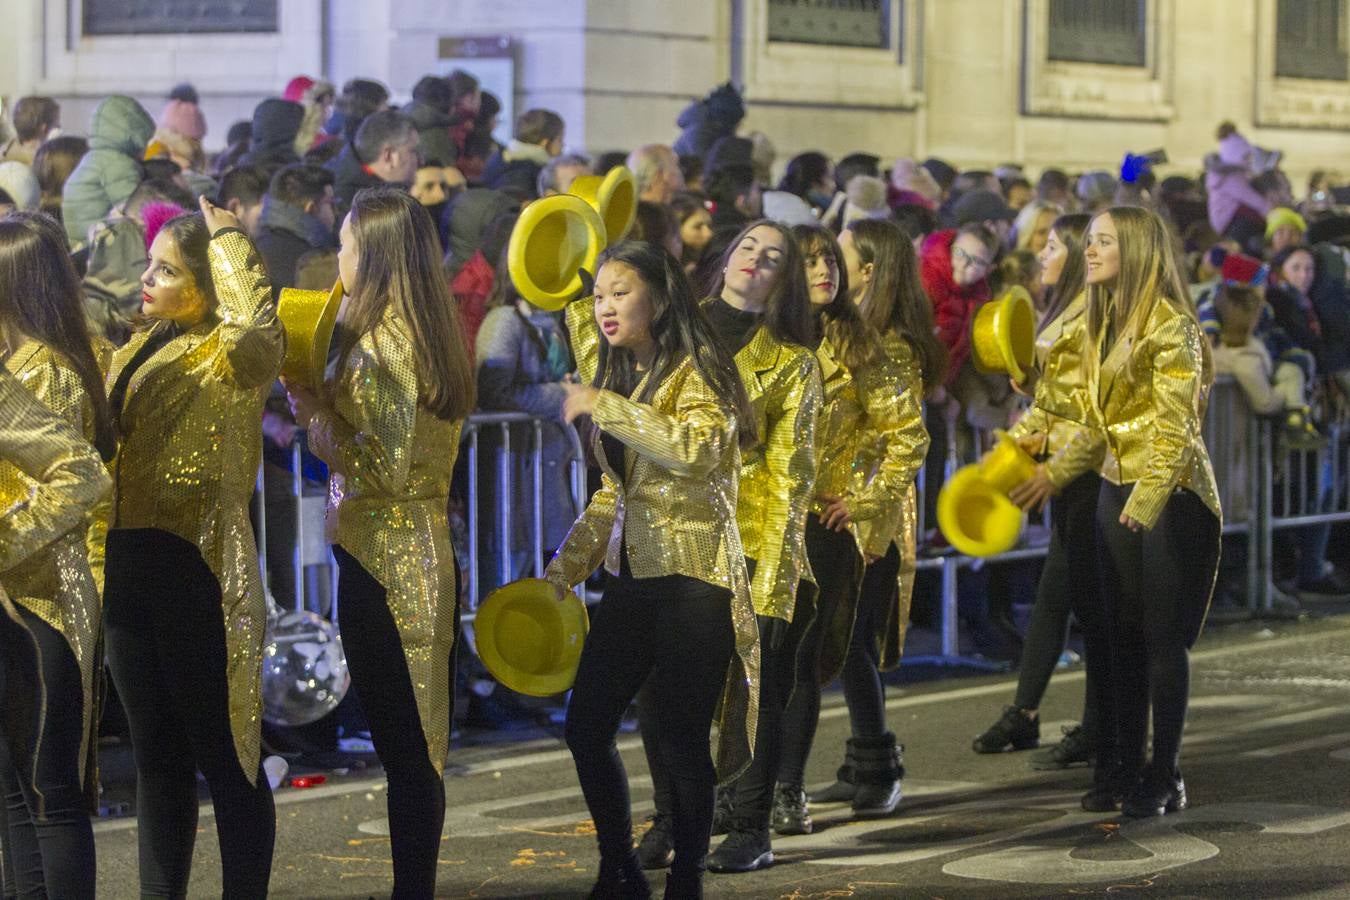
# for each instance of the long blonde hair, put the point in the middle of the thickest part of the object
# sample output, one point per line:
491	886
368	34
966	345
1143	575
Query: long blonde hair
1148	275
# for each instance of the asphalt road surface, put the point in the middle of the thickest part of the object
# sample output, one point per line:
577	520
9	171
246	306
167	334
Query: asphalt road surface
1266	760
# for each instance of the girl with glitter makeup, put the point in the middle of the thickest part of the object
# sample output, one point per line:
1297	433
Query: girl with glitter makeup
670	415
387	423
48	774
183	597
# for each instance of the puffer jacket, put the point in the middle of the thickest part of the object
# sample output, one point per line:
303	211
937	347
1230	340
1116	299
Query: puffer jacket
110	171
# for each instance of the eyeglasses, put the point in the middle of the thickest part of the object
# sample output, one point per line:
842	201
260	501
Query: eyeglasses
975	262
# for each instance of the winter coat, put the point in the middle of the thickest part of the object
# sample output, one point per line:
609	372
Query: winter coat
286	233
470	213
349	176
516	169
1330	297
111	170
275	125
953	307
1229	191
433	128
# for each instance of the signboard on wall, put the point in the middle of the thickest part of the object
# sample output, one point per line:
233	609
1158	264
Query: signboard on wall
491	59
108	17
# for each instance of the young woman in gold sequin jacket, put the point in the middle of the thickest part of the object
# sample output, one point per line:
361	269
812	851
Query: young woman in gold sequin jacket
1149	374
183	598
670	415
387	424
54	600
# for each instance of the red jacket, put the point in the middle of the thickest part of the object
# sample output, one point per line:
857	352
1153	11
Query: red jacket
471	288
953	307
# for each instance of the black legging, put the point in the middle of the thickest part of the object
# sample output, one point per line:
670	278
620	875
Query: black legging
838	568
383	686
674	634
1069	584
166	648
1157	585
863	690
48	840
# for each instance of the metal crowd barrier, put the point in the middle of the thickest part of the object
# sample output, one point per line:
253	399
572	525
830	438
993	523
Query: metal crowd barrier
1313	489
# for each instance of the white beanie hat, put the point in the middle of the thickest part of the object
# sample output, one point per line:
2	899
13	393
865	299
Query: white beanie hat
21	184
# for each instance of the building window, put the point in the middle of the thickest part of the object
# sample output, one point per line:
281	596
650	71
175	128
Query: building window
1310	39
1106	32
109	17
838	23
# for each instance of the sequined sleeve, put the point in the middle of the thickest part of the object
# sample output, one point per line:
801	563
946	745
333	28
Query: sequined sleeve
250	332
69	474
790	460
1033	422
585	337
371	438
894	410
583	550
691	442
1081	453
1173	431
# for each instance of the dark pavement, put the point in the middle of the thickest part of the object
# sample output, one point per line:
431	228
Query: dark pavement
1266	759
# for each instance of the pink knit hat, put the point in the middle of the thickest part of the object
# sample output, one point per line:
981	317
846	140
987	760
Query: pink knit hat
296	87
184	118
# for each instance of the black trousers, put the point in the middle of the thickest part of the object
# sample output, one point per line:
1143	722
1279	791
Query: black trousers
166	648
863	690
1157	586
384	688
47	837
838	567
675	635
1069	584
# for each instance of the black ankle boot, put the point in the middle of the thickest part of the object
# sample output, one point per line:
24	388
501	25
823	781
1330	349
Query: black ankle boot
791	812
621	881
683	887
1013	729
1109	786
846	780
1157	793
879	774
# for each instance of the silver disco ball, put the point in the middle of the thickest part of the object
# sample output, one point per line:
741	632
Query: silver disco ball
304	671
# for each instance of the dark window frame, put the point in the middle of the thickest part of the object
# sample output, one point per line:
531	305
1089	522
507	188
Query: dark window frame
111	18
1310	39
1100	32
832	23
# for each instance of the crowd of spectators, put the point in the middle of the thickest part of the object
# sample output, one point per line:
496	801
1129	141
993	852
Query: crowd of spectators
1267	263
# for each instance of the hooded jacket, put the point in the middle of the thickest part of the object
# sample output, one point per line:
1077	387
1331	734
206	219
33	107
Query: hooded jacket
275	125
433	128
286	233
110	171
953	306
349	176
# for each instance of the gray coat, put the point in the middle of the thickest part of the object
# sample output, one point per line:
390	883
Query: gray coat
110	171
514	376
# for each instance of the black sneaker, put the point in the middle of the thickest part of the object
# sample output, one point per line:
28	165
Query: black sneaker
722	812
1011	730
656	850
743	850
791	814
1076	748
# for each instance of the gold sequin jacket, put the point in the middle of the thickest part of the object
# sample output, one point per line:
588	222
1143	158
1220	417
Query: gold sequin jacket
57	584
1151	395
190	450
390	461
1061	415
777	477
674	510
783	384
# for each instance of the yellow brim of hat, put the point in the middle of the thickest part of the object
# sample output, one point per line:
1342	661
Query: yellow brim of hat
528	639
1003	335
614	196
552	239
309	318
1007	465
975	517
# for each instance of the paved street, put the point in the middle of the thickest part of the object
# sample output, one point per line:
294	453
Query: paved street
1267	762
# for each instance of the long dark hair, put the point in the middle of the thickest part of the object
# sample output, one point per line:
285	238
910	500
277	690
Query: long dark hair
41	299
804	171
680	331
401	266
193	238
787	309
895	300
1070	228
840	322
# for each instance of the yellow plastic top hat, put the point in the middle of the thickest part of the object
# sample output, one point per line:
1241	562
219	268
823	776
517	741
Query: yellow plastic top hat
1003	335
552	239
614	196
1007	465
309	318
529	640
976	518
